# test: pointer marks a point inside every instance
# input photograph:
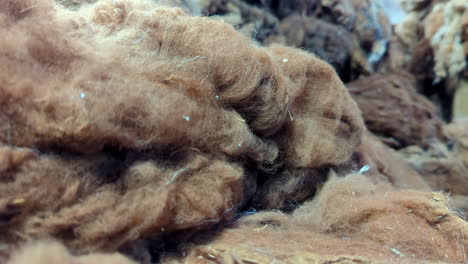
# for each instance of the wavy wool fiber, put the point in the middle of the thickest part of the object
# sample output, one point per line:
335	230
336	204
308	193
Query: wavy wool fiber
350	221
393	109
78	201
125	108
130	74
386	166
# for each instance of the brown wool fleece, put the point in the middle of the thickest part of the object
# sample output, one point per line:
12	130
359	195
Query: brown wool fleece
122	120
134	75
350	221
393	109
385	165
70	199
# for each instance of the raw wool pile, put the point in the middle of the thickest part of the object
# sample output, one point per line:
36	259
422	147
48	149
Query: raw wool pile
123	120
382	165
89	204
434	41
289	187
267	88
440	167
252	21
393	109
443	168
352	35
126	125
350	221
447	29
371	32
385	165
431	43
330	42
458	133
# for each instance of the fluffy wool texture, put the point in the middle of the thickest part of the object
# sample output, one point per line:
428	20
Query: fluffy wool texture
125	120
447	29
133	75
380	164
350	221
435	36
330	42
351	35
393	109
78	201
459	134
385	165
443	168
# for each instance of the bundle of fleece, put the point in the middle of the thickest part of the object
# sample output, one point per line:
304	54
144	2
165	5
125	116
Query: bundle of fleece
123	120
443	167
385	165
393	109
434	46
90	205
143	62
350	221
443	32
352	35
